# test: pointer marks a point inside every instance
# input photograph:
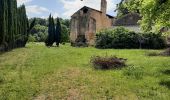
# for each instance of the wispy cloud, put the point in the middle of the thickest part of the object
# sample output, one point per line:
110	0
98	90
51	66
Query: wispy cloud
72	6
35	9
55	15
20	2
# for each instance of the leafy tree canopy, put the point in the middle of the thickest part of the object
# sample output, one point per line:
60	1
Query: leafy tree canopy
155	13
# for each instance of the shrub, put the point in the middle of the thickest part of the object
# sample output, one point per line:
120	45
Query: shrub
166	52
152	54
106	62
121	38
154	41
80	41
117	38
31	38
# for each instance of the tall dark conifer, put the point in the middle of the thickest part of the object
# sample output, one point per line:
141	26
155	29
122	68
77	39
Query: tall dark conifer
58	32
13	25
2	24
15	22
10	24
51	31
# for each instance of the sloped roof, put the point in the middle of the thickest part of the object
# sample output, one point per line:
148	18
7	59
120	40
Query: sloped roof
93	10
128	19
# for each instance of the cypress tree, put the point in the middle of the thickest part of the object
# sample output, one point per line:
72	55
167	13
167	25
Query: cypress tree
58	32
22	26
5	23
1	21
51	31
13	25
10	24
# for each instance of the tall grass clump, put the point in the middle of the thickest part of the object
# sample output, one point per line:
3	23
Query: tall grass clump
2	79
134	72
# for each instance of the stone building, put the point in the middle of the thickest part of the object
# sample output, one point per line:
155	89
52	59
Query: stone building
128	21
87	21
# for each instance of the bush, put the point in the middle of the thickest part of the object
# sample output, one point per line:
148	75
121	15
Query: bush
31	38
121	38
39	32
153	41
106	62
117	38
80	41
166	52
152	54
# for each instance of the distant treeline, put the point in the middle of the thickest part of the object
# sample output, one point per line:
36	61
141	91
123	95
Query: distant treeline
39	33
14	25
44	22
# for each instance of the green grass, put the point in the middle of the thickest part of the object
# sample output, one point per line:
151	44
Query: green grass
40	73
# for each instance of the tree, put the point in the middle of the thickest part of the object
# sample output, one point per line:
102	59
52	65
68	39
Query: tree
14	25
64	33
58	32
51	32
2	21
155	13
23	26
122	9
39	32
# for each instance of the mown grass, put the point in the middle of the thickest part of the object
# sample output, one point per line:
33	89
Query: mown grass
40	73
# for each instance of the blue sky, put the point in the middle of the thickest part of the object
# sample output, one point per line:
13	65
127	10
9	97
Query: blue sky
62	8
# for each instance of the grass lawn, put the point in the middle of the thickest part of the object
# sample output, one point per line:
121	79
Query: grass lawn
40	73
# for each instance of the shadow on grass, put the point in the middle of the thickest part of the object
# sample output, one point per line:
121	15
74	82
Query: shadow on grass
166	72
165	83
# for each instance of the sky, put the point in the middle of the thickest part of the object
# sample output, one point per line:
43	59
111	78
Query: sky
63	8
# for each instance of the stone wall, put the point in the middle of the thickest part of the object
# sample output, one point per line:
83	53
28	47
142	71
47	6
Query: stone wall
135	28
87	22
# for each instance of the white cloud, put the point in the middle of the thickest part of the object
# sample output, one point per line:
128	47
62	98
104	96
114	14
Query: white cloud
20	2
71	6
55	15
35	9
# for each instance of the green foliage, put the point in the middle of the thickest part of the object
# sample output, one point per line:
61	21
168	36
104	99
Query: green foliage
154	41
65	22
41	29
31	26
14	26
31	38
122	38
58	32
152	54
51	32
134	72
117	38
155	13
2	79
64	33
121	9
39	21
40	33
59	73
